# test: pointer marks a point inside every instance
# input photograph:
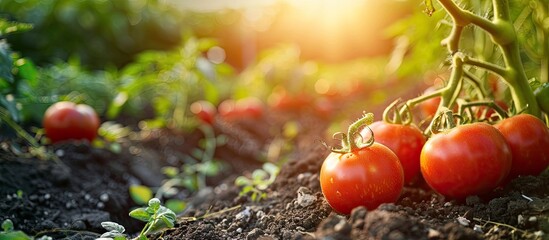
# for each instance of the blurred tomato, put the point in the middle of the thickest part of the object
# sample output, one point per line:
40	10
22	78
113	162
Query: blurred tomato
245	108
429	107
205	111
67	120
281	100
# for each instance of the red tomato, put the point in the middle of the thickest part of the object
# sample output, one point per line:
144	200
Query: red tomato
281	100
471	159
324	108
245	108
406	141
227	109
429	107
528	138
250	107
365	177
204	110
67	120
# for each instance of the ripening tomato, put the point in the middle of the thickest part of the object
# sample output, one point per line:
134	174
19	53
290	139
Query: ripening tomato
365	177
429	107
406	141
245	108
528	138
67	120
205	111
281	100
470	159
250	107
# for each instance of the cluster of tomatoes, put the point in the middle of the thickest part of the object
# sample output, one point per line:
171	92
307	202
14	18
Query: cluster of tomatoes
470	159
228	110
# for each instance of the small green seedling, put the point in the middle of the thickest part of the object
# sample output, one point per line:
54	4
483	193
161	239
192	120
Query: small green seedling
256	185
155	215
115	231
8	233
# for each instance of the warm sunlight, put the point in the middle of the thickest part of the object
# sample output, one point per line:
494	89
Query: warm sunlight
327	30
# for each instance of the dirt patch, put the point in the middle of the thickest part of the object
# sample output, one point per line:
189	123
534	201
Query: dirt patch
69	200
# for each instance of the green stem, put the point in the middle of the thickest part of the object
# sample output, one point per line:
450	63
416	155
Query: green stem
451	91
544	71
486	65
348	141
476	84
354	128
503	34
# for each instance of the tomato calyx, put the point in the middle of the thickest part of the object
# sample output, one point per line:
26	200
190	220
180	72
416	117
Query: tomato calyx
401	113
353	140
444	120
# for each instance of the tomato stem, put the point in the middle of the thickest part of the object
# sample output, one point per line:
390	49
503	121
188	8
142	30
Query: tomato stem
503	34
353	141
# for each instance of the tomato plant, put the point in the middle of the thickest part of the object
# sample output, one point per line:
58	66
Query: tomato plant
205	111
542	96
67	120
406	141
470	159
528	138
367	174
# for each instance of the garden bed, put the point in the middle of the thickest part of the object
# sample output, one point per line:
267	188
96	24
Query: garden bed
69	199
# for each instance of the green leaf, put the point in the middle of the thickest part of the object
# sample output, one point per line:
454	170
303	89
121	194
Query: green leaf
140	214
170	172
176	205
6	62
154	204
113	227
247	189
15	235
271	169
27	70
111	235
7	225
140	194
7	27
259	175
242	181
11	106
429	8
209	168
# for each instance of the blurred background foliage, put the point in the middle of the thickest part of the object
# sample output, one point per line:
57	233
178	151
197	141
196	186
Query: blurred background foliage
100	33
150	59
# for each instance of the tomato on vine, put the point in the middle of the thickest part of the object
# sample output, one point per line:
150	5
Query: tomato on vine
528	138
470	159
67	120
405	140
360	174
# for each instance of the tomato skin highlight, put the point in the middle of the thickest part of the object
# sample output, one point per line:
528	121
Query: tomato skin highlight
471	159
528	138
67	120
406	141
366	177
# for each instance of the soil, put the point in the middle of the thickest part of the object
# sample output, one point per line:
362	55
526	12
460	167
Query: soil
69	199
